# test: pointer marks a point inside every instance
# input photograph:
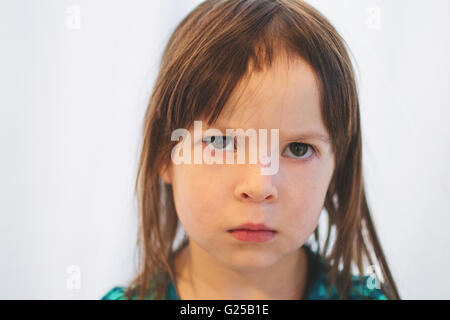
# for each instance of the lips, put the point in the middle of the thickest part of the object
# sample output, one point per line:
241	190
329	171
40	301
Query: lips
250	232
252	236
253	227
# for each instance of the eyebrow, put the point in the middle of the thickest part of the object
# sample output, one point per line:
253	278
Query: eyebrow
309	136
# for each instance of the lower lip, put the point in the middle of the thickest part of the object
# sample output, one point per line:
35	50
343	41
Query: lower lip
254	236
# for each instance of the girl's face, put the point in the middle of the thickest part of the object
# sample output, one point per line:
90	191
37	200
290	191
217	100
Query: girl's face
211	199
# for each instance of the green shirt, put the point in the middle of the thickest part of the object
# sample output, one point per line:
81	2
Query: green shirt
316	288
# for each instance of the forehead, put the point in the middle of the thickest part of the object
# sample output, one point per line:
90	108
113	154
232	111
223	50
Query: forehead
285	96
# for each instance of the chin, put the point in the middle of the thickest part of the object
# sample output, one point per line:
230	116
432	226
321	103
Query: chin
248	262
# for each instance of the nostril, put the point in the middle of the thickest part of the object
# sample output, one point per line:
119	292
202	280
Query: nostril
245	196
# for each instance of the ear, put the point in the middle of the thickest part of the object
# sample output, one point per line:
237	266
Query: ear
166	174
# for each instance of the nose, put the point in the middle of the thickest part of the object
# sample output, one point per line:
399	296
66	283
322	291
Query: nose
255	187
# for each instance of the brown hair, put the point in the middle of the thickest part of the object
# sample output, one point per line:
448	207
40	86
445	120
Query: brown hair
207	55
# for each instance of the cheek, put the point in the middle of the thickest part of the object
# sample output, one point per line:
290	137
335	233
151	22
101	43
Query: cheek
304	193
197	199
302	211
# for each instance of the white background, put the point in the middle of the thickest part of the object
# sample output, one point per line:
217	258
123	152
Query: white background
75	77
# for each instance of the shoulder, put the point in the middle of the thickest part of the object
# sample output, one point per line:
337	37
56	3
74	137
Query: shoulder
363	288
116	293
367	288
120	293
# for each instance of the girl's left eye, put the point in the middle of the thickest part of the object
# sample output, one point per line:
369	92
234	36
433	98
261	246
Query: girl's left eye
298	150
220	142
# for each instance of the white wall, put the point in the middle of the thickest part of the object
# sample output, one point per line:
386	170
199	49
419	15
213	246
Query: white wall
71	103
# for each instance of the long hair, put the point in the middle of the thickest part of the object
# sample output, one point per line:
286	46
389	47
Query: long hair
207	55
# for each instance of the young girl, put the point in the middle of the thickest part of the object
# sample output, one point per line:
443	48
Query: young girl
256	64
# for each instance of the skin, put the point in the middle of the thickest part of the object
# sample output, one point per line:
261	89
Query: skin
212	199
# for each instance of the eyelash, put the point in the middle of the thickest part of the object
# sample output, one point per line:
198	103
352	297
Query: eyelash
314	151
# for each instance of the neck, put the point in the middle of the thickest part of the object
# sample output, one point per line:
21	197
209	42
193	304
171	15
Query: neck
200	275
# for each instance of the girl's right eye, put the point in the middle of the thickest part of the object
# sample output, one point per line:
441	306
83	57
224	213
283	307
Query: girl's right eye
219	143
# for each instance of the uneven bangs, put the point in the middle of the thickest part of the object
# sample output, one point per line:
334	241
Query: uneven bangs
209	55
